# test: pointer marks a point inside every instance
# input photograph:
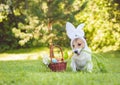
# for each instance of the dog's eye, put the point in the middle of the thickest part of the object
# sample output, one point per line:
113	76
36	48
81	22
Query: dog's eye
73	45
79	44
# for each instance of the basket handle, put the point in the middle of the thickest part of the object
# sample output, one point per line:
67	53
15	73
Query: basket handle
52	54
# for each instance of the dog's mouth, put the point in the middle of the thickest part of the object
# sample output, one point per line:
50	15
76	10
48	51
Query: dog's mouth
77	51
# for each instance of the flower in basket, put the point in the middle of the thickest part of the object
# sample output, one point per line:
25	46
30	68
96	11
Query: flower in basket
46	59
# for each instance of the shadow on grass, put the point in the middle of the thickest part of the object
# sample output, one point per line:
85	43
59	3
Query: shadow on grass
30	50
27	50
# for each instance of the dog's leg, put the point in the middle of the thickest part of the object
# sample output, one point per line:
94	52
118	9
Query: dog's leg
89	66
73	65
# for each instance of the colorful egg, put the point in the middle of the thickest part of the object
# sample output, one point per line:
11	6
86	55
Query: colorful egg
54	60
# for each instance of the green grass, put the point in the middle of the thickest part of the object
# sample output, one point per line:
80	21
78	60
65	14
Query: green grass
34	72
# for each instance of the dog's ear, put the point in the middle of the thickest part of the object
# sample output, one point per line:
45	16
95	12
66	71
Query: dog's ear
70	30
79	27
79	30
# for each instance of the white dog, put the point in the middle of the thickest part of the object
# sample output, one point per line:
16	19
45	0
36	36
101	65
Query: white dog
81	60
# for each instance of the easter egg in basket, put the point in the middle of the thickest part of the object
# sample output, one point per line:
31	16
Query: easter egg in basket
57	64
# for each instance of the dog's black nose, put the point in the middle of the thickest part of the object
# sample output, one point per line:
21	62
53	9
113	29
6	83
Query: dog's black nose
75	51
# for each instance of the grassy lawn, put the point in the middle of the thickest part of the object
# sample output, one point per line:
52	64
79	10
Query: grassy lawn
34	72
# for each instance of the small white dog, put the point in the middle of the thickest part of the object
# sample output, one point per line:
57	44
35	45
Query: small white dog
81	60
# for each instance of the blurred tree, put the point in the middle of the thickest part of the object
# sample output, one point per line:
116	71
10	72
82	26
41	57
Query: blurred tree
102	18
36	22
42	15
10	16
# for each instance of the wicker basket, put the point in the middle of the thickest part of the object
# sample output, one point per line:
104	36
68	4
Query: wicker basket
59	66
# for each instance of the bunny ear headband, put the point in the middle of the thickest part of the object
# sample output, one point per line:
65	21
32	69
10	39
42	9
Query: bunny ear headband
73	32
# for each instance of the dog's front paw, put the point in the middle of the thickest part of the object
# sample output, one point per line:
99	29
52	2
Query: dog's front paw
74	70
89	67
73	66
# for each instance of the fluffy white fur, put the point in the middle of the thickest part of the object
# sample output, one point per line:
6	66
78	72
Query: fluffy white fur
82	61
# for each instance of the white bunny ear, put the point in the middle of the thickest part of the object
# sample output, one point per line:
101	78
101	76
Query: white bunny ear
70	30
80	26
79	30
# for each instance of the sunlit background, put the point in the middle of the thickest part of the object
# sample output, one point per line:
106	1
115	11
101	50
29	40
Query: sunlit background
28	27
29	24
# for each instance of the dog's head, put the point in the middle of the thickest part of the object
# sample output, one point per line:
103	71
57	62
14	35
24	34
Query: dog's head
77	45
77	37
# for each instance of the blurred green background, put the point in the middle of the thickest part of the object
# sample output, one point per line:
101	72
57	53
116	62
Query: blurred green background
27	27
34	23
